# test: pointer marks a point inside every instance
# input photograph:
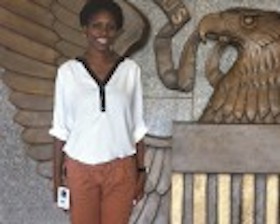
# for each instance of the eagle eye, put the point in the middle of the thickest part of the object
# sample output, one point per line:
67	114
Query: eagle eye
249	21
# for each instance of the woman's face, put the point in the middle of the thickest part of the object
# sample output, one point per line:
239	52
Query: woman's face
101	31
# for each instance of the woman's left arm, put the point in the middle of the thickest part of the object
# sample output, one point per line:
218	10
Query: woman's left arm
140	131
141	170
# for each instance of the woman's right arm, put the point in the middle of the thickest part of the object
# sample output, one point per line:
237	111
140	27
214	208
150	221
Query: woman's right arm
58	166
59	130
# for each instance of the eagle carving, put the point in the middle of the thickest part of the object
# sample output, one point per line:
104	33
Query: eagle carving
249	92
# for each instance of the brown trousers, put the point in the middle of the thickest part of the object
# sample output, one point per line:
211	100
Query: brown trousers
101	194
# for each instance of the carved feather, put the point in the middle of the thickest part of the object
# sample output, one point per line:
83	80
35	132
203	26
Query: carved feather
31	101
27	47
219	98
70	35
164	182
40	152
251	103
71	5
219	117
269	119
163	211
32	12
29	84
232	96
68	50
44	3
137	211
33	118
239	109
263	103
149	212
149	156
24	65
25	27
67	16
274	100
37	136
153	178
207	115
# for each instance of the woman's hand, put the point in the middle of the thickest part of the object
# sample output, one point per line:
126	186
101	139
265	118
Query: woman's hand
141	174
59	169
59	179
140	185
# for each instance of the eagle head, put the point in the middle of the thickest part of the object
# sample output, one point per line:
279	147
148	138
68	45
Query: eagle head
242	26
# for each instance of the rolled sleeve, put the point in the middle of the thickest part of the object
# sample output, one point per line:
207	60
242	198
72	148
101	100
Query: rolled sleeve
140	133
59	127
140	128
59	133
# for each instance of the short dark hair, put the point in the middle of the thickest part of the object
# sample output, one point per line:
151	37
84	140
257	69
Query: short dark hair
93	7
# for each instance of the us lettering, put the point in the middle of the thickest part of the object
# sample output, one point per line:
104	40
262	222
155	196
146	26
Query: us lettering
169	4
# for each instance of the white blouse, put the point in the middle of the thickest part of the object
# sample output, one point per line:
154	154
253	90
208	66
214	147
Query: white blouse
98	121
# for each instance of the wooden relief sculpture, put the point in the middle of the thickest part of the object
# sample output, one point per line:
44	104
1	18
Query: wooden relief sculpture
249	91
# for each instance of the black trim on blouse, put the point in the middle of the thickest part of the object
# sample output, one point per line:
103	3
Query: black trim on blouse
101	83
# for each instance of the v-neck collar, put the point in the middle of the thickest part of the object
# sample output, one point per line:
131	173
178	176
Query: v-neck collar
108	76
101	83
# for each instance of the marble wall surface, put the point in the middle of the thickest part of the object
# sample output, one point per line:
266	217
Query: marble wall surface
25	197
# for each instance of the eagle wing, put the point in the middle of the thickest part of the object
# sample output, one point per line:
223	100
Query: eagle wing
154	207
29	56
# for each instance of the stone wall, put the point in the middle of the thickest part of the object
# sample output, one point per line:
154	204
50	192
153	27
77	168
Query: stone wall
26	197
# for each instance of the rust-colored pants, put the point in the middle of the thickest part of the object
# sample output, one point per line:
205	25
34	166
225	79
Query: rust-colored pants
101	194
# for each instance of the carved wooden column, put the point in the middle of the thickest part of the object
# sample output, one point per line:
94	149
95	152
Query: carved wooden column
234	171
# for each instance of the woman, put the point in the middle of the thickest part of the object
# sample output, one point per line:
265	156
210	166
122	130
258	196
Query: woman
98	124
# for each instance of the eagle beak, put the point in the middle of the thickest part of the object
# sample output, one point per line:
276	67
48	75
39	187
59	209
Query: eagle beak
223	39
